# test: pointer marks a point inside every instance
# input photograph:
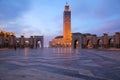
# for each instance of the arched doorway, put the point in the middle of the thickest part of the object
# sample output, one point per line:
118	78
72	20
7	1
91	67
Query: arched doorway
111	43
6	43
99	43
27	43
89	44
76	40
17	43
76	44
38	44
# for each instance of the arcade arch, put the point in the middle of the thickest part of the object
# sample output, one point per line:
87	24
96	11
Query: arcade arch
89	43
76	44
27	43
38	44
111	43
76	40
99	43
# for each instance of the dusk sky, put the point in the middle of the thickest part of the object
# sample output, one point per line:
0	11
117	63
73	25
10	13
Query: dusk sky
45	17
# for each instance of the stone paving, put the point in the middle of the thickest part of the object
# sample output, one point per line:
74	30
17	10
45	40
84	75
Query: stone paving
59	64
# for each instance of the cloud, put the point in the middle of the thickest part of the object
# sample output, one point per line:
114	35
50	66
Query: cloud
97	9
11	9
108	8
110	27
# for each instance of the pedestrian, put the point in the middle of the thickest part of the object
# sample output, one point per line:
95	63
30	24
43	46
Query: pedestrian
15	47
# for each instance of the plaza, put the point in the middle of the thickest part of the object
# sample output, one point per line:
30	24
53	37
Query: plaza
34	47
59	64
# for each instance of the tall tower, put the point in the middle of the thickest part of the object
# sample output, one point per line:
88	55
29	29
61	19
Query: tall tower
67	24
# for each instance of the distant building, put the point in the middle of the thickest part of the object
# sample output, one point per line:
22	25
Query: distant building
9	40
32	42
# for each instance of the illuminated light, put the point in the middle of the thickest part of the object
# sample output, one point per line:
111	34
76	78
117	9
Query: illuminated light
26	41
65	41
76	42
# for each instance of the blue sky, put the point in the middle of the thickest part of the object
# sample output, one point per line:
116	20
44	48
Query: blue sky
45	17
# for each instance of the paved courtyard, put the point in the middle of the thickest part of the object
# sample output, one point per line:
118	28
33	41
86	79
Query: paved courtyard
59	64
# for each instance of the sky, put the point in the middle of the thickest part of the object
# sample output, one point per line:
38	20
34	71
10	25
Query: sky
45	17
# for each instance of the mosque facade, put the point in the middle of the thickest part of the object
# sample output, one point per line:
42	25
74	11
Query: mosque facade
79	40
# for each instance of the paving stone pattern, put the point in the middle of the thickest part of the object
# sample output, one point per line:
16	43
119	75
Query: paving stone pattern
59	64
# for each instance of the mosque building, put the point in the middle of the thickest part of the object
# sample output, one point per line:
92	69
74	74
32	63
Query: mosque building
79	40
65	40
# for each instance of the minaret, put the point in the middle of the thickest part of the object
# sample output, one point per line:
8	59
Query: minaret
67	23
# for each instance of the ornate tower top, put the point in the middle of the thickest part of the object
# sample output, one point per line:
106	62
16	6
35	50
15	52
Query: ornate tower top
66	7
66	3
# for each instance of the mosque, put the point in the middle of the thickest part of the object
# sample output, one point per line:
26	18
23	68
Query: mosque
79	40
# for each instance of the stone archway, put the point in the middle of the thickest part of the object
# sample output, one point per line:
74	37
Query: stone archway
76	40
27	43
38	42
110	43
89	43
99	43
76	44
